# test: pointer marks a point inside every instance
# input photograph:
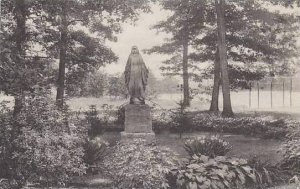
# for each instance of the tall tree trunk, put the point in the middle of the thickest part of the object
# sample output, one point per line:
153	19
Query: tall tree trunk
20	37
62	57
214	104
227	109
186	90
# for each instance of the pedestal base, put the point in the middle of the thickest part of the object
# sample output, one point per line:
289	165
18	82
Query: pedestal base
127	137
138	123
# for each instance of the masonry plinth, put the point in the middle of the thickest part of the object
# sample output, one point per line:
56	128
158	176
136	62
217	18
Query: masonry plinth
138	123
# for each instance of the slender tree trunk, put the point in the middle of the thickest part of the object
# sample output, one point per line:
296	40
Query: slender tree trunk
20	37
214	105
186	90
227	109
62	57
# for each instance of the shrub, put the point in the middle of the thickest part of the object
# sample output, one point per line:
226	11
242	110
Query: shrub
139	165
209	146
264	126
212	173
46	143
291	155
95	150
161	120
180	120
6	131
93	120
120	115
174	120
267	174
102	120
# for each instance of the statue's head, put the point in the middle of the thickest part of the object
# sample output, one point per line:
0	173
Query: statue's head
134	50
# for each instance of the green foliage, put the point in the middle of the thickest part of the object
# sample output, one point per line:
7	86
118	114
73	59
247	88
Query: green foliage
267	174
209	146
161	120
17	71
120	115
116	86
176	120
5	139
264	126
262	38
180	120
95	150
45	143
287	3
86	53
244	39
92	85
92	119
167	85
139	165
212	173
100	120
261	126
291	155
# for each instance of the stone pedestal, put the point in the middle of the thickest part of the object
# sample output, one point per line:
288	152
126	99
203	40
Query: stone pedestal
138	123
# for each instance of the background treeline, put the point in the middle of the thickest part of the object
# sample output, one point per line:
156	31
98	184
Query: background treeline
100	84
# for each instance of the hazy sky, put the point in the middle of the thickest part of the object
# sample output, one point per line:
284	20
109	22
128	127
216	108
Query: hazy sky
142	36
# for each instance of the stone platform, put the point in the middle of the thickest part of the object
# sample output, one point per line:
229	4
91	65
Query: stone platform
138	123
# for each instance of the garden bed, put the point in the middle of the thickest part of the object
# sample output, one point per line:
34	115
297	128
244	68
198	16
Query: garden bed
263	126
243	147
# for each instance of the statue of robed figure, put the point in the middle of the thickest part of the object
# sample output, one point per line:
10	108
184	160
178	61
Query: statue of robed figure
136	76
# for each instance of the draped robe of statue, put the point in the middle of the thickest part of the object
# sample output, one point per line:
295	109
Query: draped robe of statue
136	76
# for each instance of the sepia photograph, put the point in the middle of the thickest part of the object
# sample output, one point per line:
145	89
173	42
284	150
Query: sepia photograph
149	94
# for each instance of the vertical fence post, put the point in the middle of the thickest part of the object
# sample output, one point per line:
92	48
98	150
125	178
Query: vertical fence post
258	94
271	93
250	88
291	91
283	93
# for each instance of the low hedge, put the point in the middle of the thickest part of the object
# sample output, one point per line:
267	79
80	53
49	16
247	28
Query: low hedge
262	126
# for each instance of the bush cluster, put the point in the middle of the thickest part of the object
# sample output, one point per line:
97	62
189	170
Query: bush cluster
100	121
291	155
139	165
266	127
42	144
262	126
